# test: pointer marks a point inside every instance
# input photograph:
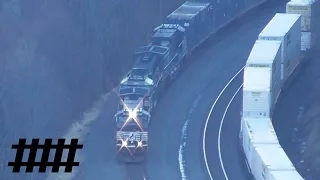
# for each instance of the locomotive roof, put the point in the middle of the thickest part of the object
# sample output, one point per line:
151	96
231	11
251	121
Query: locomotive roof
168	33
152	49
188	10
147	57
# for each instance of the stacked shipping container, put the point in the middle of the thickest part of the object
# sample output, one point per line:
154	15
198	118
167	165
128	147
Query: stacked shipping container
285	28
256	92
309	19
267	54
268	158
273	58
257	131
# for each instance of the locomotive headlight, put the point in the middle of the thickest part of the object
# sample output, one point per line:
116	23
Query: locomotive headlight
139	143
133	114
124	143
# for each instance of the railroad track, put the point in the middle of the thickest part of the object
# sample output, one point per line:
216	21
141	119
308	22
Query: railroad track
135	171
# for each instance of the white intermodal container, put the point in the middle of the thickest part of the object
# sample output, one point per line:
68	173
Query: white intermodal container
264	53
285	28
305	41
289	174
256	131
308	10
267	158
309	18
267	54
256	92
302	7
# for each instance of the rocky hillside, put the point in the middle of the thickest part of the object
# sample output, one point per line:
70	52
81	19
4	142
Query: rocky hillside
309	123
307	132
59	56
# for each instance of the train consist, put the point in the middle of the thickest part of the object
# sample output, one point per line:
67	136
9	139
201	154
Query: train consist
158	64
275	56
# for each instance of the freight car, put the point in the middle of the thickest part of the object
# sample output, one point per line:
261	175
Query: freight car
285	28
196	18
274	57
270	159
256	92
255	132
258	140
266	55
309	10
158	64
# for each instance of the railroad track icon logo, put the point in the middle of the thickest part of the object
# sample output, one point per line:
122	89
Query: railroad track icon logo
46	149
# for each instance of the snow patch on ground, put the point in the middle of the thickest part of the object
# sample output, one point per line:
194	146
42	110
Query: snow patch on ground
79	130
183	144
